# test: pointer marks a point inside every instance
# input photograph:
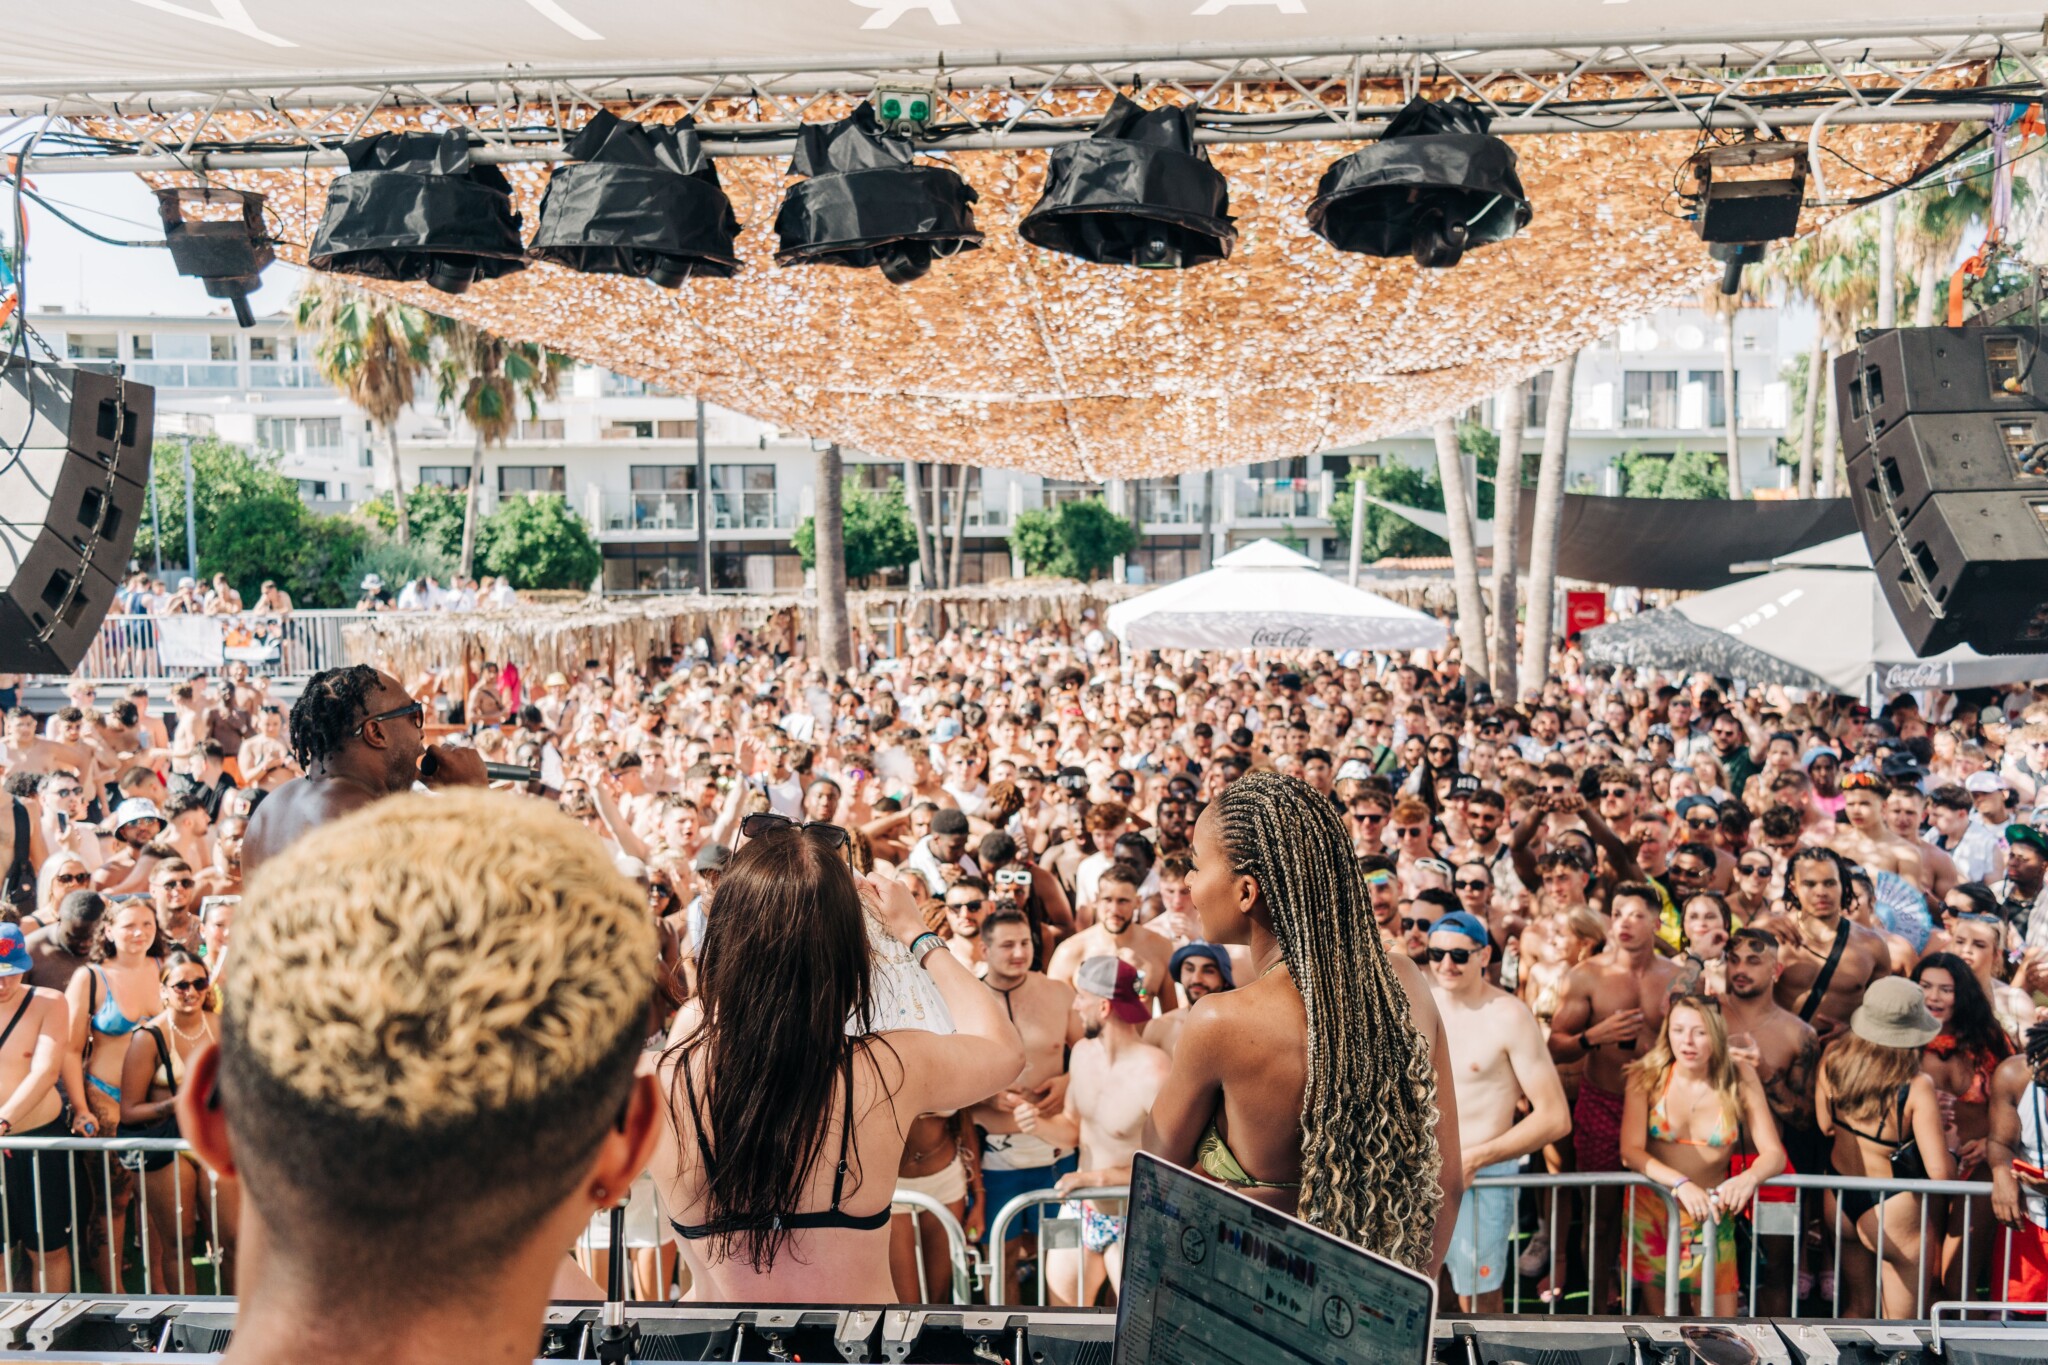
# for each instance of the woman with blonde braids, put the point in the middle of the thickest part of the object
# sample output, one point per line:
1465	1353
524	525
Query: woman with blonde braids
1331	1032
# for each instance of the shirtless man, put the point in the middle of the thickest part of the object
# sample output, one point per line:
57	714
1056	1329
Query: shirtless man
1609	1010
1201	969
36	1028
966	903
365	738
1809	932
1785	1051
1498	1059
1014	1162
1116	1076
1869	841
1905	811
266	758
484	708
1116	932
27	752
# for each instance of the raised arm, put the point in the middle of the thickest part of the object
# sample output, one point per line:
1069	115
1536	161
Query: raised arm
984	1055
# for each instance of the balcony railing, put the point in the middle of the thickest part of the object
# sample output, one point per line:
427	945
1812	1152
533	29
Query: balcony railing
196	375
267	374
1156	508
1279	499
651	510
752	510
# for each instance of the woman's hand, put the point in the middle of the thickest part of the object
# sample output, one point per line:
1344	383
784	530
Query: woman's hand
897	908
1694	1200
1732	1195
83	1124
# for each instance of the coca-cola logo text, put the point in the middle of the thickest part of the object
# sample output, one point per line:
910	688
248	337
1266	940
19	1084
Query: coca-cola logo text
1292	637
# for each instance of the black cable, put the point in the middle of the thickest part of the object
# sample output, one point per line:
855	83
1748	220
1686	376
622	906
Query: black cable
69	221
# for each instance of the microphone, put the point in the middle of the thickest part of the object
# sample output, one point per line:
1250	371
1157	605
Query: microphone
430	763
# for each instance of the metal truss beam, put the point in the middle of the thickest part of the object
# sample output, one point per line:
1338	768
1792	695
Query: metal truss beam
1531	84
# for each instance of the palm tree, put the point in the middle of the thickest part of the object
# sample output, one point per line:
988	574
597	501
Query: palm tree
488	378
1507	501
373	349
1933	224
1545	525
1835	270
1450	464
1725	308
835	644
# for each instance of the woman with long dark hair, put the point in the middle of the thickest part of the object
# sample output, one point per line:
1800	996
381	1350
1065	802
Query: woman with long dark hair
788	1112
1960	1061
1313	1087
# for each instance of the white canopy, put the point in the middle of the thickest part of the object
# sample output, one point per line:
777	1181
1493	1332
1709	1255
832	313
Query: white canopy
1265	596
1825	613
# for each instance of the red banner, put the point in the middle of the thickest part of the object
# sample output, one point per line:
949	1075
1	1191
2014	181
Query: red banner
1583	611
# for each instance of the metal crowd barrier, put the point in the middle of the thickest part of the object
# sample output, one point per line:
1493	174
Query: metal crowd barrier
16	1228
129	647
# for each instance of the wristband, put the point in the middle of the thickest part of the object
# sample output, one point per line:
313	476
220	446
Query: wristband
918	952
1682	1180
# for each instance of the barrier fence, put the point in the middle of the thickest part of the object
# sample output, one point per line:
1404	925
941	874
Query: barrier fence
145	647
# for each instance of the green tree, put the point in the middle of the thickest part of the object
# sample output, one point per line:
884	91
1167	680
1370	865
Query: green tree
1697	474
434	513
537	542
1081	540
488	379
879	535
1388	534
373	349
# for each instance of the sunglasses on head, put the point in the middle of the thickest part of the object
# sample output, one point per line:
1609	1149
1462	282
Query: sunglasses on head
765	823
1461	956
1378	877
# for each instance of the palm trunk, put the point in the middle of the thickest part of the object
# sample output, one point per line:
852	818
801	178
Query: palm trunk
1544	526
959	526
1507	498
390	434
1728	413
1450	464
1357	520
829	541
1816	362
913	490
1888	261
471	512
1926	298
1831	433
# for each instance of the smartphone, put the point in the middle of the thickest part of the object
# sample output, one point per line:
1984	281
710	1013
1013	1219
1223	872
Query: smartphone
2028	1169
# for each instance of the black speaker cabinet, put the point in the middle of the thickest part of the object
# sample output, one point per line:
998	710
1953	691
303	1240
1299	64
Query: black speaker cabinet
1910	371
74	472
1982	557
1948	452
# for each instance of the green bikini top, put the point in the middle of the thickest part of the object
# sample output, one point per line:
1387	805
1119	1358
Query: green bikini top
1214	1159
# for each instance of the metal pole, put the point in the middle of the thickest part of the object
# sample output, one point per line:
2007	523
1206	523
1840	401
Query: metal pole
703	506
156	527
1357	517
1208	519
191	521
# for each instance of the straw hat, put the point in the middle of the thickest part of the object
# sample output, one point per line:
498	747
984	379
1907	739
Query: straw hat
1894	1014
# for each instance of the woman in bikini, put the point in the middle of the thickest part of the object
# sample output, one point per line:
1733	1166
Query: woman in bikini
789	1100
186	1213
1960	1060
1688	1110
1877	1102
109	998
1312	1087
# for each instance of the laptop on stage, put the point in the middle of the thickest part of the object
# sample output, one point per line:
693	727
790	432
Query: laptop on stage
1211	1276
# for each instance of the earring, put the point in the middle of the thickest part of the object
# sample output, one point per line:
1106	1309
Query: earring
602	1195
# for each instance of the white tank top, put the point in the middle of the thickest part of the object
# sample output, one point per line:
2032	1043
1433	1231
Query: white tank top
2034	1144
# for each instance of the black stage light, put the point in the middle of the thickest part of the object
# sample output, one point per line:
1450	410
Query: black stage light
1435	185
413	206
865	202
1138	192
644	201
228	255
1737	217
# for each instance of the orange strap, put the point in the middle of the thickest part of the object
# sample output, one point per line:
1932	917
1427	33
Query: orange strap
1973	269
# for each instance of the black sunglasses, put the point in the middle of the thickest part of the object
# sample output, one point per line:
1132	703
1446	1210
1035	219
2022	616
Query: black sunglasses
1709	823
765	823
416	710
1622	792
1473	886
1461	956
1752	870
974	904
199	985
1407	923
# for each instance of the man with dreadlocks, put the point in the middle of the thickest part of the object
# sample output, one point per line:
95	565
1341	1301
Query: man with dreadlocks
2018	1149
359	738
1331	1032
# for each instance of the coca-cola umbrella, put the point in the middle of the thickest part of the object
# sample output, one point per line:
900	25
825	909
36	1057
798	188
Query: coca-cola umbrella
1266	596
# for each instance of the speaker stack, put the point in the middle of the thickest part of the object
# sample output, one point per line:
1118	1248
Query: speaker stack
1946	434
74	471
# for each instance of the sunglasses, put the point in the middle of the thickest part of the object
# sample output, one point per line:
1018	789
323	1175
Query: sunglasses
1709	823
765	823
1018	878
169	882
1752	869
1473	886
200	985
1461	956
1619	793
75	878
1375	816
1378	878
1412	924
1438	749
1410	831
974	904
416	710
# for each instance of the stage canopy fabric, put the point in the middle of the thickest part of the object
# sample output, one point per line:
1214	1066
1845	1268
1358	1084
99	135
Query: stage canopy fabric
1265	596
1672	642
1663	542
1834	623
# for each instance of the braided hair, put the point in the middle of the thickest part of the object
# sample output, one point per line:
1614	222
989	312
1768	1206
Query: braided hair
2037	1047
328	712
1369	1157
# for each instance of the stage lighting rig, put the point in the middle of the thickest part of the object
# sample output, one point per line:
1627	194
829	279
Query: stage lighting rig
644	201
865	202
1137	192
227	255
1435	185
1736	218
905	110
413	206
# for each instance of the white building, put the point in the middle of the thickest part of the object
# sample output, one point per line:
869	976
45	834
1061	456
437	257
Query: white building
625	456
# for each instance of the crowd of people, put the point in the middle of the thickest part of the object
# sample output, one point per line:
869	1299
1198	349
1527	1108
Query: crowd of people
1344	933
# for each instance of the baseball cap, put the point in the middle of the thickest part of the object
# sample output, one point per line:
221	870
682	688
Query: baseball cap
2027	834
1901	768
14	958
1209	950
1116	981
1464	924
712	858
370	581
1465	784
1818	751
1983	783
133	809
1694	802
186	581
